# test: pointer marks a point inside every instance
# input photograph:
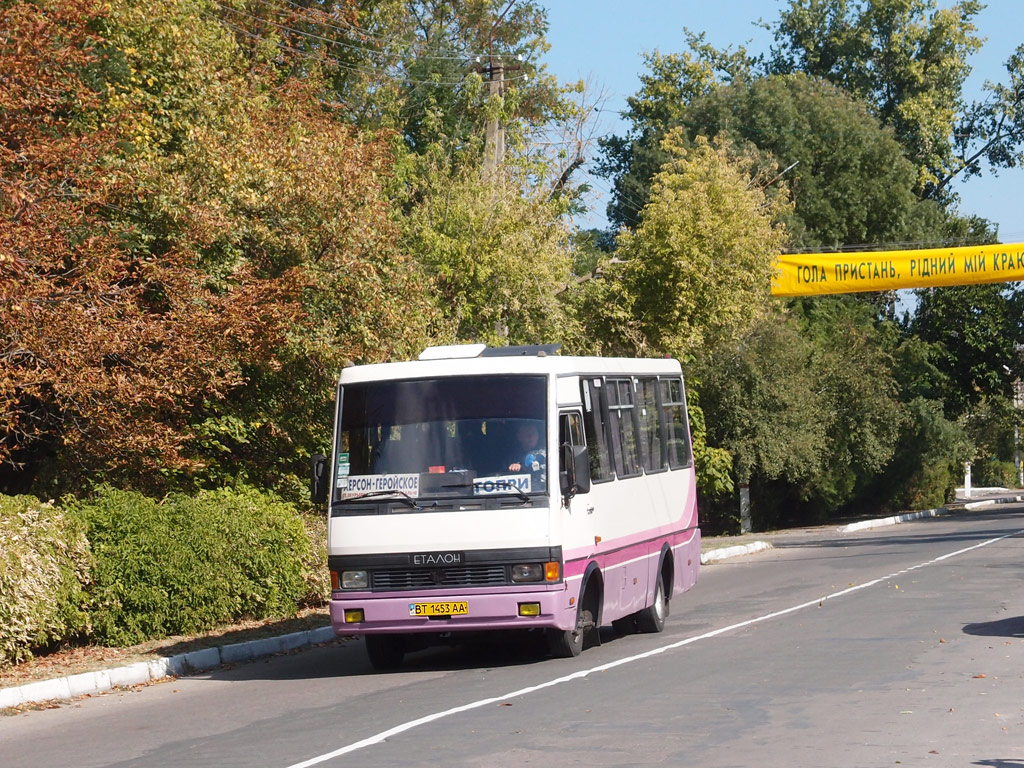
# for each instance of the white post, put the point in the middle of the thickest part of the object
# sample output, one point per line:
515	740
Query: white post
967	479
745	525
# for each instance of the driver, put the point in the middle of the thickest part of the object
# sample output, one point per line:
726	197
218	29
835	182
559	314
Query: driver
531	455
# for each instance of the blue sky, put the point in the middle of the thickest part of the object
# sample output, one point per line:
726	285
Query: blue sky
603	41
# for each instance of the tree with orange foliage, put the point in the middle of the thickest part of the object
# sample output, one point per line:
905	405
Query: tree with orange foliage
104	349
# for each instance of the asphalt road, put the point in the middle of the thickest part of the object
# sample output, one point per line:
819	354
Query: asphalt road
892	646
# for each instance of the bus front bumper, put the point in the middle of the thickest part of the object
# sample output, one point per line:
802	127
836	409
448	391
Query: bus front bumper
397	612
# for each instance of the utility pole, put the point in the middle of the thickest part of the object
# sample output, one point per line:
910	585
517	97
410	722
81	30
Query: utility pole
494	141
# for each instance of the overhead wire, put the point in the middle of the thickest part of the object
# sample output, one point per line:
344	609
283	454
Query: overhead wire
368	70
345	26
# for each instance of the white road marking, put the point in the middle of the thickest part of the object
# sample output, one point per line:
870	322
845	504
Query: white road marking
384	735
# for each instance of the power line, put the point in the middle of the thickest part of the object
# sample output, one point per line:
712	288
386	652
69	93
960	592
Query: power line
345	26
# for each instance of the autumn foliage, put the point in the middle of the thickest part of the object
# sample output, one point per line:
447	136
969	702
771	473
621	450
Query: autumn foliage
148	287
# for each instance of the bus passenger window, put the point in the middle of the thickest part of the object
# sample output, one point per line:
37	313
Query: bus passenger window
622	428
594	428
650	424
678	430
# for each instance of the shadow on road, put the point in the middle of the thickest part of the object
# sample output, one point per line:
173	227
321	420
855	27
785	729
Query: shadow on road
1012	627
347	658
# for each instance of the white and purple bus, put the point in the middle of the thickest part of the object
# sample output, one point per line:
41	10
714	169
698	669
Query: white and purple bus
507	488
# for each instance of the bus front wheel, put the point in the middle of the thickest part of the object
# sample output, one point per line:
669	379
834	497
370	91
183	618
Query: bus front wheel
385	651
570	642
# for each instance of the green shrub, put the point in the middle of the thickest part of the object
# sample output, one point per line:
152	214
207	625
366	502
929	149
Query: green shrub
315	573
186	564
44	561
993	473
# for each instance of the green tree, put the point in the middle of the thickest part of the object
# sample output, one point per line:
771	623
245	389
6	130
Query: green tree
847	174
977	331
631	161
693	277
908	59
695	273
809	408
497	257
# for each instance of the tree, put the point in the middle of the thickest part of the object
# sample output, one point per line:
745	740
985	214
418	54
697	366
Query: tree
496	252
693	277
848	177
977	331
908	59
673	82
105	348
225	247
695	272
765	405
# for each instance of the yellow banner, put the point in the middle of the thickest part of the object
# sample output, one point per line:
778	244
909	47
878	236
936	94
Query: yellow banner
809	274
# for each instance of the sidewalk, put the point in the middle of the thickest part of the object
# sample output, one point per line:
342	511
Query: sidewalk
714	549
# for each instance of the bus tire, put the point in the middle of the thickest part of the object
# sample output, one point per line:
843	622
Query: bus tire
386	652
652	618
567	643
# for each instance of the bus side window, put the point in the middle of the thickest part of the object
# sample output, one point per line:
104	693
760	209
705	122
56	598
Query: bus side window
622	427
594	429
650	425
677	427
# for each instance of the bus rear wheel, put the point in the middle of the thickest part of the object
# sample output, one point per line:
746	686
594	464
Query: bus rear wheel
386	652
652	618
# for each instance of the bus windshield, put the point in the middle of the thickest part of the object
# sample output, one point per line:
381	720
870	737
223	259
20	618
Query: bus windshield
452	436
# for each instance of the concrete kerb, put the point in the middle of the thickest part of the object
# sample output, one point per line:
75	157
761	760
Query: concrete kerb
897	519
757	546
735	551
167	666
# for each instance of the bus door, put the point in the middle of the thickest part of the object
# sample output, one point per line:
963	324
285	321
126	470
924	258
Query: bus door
578	523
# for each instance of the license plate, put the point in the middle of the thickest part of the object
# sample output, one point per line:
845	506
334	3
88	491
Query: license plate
460	608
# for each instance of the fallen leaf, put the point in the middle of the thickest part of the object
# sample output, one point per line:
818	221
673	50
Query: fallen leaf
942	639
978	677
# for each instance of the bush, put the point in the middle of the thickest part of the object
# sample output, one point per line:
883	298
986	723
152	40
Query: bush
44	562
314	566
993	473
186	564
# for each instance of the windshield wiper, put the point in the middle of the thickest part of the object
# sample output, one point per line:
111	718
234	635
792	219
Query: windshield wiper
400	496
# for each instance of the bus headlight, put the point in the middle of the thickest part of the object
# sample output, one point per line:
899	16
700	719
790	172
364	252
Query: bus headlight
354	580
527	572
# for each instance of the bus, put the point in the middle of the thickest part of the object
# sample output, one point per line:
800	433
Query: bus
507	488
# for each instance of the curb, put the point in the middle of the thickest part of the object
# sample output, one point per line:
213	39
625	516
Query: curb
990	502
739	549
894	520
166	666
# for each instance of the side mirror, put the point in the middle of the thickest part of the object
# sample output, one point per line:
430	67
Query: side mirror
574	476
581	463
319	479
